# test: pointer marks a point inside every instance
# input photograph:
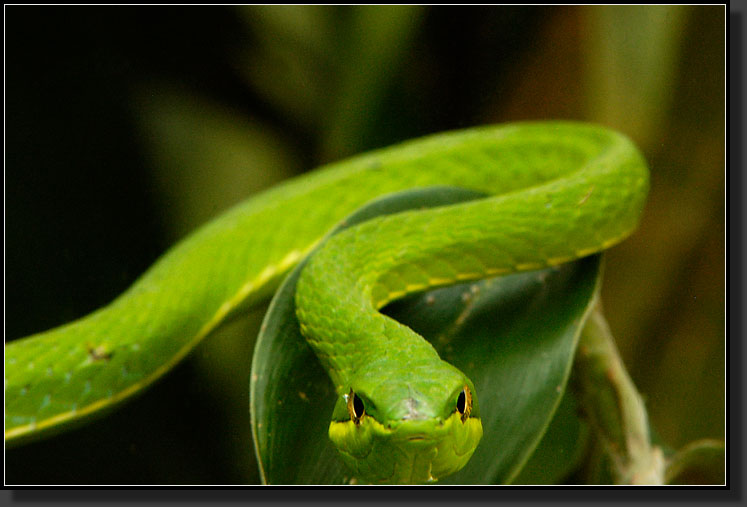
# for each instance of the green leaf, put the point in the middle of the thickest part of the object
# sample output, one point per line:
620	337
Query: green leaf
517	345
514	336
562	449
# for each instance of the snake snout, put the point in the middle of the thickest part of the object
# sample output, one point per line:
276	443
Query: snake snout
411	410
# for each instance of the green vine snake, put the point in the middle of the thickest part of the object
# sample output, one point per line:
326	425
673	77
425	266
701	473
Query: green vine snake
558	191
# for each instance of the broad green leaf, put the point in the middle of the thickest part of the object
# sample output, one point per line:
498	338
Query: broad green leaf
514	336
516	339
562	449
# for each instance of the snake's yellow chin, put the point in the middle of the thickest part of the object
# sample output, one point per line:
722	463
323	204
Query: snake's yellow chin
408	451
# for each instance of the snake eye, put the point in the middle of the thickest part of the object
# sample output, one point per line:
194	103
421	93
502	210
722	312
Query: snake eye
464	403
355	407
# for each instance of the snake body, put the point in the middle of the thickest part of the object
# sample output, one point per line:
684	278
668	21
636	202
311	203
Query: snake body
558	191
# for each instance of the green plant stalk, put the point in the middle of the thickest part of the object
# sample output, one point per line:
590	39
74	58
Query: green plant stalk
699	462
614	407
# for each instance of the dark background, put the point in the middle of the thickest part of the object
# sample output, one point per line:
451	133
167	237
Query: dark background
126	127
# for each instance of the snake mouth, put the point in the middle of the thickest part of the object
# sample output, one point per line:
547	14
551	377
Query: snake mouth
406	452
420	432
421	439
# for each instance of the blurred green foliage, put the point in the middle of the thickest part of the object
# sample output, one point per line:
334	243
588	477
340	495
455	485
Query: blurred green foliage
128	127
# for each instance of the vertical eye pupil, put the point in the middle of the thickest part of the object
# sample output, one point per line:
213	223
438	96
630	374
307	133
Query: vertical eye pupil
358	407
462	403
355	407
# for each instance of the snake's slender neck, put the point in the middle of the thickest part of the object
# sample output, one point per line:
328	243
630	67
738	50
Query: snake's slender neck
391	256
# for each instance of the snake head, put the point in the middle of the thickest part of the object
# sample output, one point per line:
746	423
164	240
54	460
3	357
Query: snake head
406	431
